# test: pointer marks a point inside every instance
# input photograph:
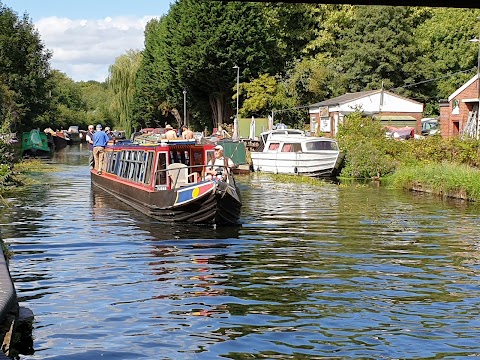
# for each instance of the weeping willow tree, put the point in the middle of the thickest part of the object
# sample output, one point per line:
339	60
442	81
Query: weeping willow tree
121	80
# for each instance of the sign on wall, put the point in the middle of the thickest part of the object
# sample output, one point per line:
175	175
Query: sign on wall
325	125
455	107
323	111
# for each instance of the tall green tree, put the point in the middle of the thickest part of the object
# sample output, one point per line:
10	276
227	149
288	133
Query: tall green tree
121	79
157	96
444	38
202	41
67	106
24	65
97	97
379	46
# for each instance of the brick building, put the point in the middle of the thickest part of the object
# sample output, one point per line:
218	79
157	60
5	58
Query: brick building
390	108
460	107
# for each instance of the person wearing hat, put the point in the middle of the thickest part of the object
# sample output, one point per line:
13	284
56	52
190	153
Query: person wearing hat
100	141
170	134
89	139
217	166
109	133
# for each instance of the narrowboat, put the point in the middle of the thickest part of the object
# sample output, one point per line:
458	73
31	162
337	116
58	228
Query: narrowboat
290	151
36	143
165	180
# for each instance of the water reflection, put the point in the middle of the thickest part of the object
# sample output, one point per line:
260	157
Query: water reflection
315	271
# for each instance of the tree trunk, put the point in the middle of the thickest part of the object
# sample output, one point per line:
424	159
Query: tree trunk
177	117
218	104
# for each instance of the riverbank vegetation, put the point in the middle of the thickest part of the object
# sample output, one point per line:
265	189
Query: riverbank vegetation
446	167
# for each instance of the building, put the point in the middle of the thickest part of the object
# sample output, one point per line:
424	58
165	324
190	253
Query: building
459	114
390	108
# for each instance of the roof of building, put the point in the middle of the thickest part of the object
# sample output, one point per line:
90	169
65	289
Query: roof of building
349	97
463	87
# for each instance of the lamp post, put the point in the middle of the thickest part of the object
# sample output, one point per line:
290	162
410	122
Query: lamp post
184	107
238	85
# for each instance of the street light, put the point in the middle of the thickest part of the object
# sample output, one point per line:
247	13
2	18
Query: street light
184	107
238	84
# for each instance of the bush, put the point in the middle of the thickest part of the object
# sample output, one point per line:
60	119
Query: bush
368	152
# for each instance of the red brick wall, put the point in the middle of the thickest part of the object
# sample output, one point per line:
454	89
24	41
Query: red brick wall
448	120
445	124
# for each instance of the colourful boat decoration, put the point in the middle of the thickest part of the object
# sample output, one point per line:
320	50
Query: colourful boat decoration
164	180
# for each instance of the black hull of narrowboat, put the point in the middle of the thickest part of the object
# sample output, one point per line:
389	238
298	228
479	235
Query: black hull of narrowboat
59	142
220	207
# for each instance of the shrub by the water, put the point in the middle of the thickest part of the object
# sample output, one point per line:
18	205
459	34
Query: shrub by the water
7	162
369	153
366	148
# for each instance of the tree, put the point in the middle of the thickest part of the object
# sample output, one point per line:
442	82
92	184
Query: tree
121	79
379	47
67	106
24	65
444	39
97	97
157	90
206	39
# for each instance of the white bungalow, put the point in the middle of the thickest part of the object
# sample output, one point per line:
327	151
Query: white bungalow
390	108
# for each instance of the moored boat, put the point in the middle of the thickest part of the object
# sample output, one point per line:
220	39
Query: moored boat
36	143
164	180
59	138
290	151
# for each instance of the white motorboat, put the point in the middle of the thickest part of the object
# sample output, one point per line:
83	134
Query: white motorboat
290	151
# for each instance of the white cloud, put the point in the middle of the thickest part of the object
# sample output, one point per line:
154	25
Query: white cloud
84	49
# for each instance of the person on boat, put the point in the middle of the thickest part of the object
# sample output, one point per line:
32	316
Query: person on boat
170	134
219	165
89	139
187	134
110	135
100	141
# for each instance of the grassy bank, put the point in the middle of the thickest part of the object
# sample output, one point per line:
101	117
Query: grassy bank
443	179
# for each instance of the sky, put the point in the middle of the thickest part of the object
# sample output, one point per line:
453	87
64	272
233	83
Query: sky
87	36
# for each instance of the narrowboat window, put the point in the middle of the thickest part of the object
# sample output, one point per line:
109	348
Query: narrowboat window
273	146
148	167
130	165
140	166
112	164
160	172
297	147
123	164
197	158
210	155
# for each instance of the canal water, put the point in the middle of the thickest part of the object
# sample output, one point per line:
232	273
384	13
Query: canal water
314	272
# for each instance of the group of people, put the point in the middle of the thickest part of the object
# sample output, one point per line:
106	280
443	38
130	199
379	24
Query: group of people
97	140
183	133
